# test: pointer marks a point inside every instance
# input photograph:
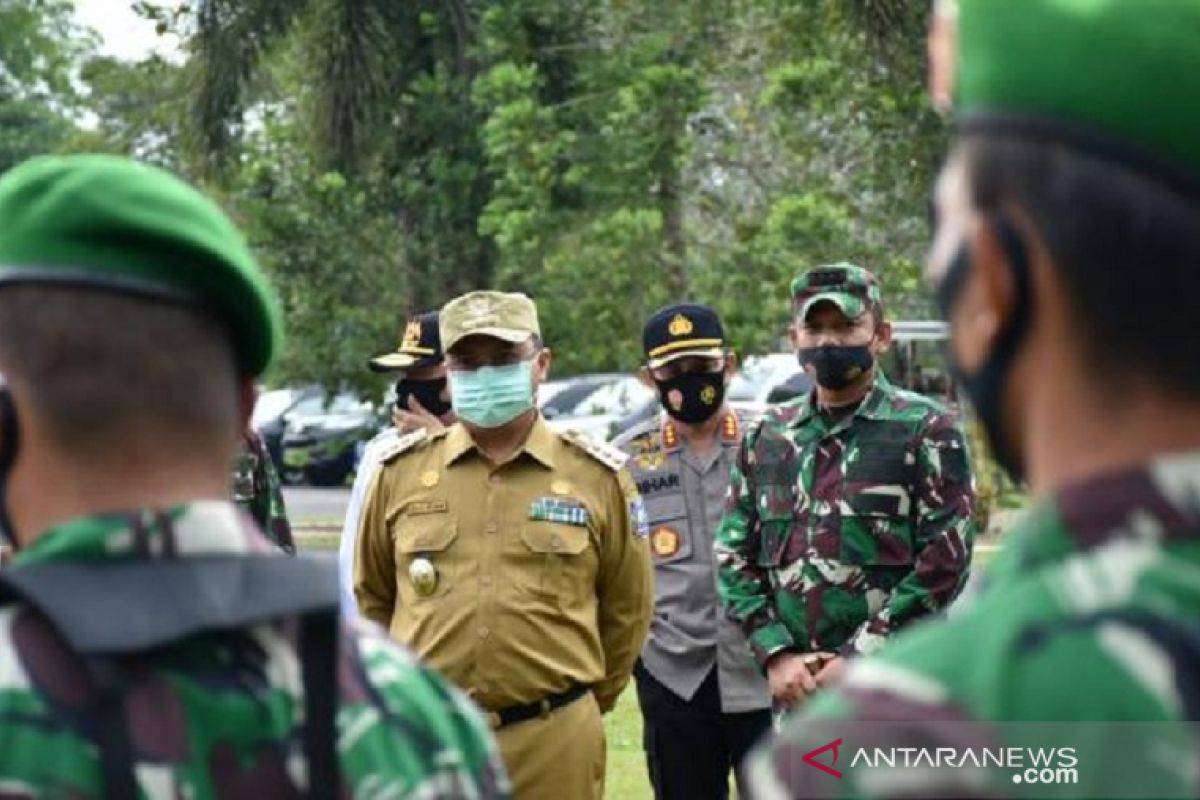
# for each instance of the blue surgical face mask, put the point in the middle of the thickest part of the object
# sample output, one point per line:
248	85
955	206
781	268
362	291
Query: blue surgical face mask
491	397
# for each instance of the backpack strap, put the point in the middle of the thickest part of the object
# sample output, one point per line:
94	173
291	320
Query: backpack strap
149	604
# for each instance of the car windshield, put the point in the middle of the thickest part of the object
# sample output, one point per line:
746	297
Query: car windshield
271	404
751	379
619	397
568	399
342	404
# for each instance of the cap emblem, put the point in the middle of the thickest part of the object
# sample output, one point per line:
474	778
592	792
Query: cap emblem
680	326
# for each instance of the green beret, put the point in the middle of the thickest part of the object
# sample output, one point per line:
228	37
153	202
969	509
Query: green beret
1119	77
107	221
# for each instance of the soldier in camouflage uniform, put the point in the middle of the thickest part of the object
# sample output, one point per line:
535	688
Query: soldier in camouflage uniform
114	462
257	489
1066	260
849	512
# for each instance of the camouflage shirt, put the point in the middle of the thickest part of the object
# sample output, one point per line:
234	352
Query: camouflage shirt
837	532
256	488
1085	635
219	715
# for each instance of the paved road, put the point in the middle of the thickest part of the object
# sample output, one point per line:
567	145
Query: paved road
307	505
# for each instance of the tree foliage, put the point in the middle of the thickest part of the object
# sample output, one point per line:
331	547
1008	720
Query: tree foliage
606	156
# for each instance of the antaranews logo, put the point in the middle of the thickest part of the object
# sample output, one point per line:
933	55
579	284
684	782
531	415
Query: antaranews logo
810	758
1030	765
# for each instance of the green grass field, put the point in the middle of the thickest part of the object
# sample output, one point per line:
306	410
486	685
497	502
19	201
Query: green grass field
626	773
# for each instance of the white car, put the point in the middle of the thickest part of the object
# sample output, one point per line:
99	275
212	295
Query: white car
613	399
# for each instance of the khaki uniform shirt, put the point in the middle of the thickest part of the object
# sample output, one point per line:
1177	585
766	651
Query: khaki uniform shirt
541	573
685	498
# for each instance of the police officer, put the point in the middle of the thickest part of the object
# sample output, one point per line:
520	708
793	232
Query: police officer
849	513
1065	259
256	488
512	558
704	701
422	402
154	643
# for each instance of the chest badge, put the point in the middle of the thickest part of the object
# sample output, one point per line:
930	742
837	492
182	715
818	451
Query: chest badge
665	542
423	576
429	479
560	487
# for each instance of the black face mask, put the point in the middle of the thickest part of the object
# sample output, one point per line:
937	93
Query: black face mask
10	441
838	366
985	388
693	397
427	392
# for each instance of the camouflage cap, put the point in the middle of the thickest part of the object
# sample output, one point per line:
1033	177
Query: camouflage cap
851	288
510	316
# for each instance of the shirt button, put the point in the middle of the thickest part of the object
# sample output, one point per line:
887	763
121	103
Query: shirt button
483	634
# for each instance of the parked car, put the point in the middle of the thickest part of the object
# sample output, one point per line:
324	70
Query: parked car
270	417
616	397
323	437
563	397
767	380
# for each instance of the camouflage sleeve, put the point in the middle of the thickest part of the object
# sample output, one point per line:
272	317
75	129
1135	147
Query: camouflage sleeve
743	586
412	731
943	501
277	525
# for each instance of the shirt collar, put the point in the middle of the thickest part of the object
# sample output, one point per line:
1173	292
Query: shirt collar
728	432
201	528
872	405
541	443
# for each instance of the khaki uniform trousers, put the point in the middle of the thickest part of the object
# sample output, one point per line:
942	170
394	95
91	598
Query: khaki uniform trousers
559	756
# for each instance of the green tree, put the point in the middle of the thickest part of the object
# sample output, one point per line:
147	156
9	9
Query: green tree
40	49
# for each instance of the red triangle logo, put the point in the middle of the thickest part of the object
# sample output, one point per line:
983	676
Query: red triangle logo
810	758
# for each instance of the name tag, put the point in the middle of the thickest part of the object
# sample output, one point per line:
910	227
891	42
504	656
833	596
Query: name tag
428	507
556	509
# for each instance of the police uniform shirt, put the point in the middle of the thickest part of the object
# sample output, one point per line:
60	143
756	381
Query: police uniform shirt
684	494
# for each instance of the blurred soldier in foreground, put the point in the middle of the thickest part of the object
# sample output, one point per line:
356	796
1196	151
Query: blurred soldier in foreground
152	642
256	488
703	699
510	557
849	513
422	403
1067	259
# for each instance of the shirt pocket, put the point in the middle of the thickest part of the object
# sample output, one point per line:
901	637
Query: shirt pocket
428	538
777	516
877	527
555	561
670	535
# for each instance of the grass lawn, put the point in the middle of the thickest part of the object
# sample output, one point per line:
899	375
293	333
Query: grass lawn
626	773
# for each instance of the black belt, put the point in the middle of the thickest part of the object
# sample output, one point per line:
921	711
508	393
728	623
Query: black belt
514	714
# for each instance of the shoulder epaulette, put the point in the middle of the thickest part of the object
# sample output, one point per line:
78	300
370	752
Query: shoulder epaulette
640	437
407	442
612	457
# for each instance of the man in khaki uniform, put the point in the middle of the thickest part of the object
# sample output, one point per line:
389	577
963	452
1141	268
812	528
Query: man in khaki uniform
510	557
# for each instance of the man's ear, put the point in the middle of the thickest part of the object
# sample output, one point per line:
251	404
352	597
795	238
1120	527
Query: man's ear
247	397
643	375
883	337
987	301
545	359
731	365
